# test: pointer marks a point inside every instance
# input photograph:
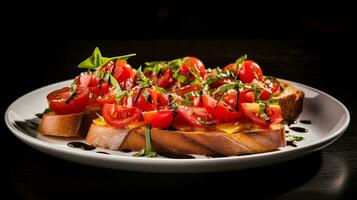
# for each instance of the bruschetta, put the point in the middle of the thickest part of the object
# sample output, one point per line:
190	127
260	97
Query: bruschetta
175	106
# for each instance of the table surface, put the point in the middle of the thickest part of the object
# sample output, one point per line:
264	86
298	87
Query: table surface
327	174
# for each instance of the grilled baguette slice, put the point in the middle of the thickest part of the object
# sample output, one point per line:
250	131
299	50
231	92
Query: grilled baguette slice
211	143
290	100
71	125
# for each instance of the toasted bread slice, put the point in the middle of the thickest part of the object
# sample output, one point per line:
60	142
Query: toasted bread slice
290	100
71	125
181	142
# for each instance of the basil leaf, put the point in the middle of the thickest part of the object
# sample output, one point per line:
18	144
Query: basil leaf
123	57
262	112
180	78
161	90
113	81
175	64
107	76
99	74
93	61
186	102
147	96
153	63
192	94
143	80
239	61
97	60
225	87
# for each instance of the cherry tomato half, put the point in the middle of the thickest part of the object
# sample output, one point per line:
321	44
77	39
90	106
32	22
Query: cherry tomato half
62	103
195	116
165	79
159	118
120	116
195	64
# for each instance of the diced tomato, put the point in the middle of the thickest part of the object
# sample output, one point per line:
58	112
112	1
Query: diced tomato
159	118
273	112
273	86
145	99
108	98
196	116
251	110
120	116
197	101
123	71
264	94
162	100
220	110
165	79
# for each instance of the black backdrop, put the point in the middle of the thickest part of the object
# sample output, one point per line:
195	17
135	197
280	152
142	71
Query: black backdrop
43	45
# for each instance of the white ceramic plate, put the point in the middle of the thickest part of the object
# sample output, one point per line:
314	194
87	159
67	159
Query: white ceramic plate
330	116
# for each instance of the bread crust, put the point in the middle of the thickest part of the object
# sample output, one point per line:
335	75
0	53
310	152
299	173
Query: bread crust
71	125
211	143
291	101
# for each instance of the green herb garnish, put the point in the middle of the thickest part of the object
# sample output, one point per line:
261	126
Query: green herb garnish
97	60
148	149
293	138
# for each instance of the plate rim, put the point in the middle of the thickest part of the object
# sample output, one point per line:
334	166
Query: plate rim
43	145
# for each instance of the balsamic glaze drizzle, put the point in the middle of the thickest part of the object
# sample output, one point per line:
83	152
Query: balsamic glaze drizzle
81	145
102	152
176	155
299	129
307	121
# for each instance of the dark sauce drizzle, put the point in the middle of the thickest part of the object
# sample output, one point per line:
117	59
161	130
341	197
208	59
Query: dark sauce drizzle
289	122
176	155
81	145
299	129
102	152
307	121
290	143
125	150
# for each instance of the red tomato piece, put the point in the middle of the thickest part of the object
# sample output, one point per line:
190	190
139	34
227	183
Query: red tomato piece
62	103
159	118
120	116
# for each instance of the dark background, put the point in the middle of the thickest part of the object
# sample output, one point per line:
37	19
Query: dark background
308	42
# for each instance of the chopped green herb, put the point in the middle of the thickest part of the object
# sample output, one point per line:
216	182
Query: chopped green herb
186	102
293	138
148	149
206	123
143	80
